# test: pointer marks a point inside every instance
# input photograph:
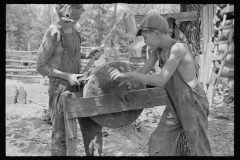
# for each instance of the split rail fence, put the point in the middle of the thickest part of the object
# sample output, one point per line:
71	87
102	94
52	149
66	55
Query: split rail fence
21	65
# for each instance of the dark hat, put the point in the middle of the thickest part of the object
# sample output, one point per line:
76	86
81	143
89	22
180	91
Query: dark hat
69	12
154	21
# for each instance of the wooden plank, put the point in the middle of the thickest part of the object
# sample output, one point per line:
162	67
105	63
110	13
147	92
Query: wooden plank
221	68
220	42
227	9
20	70
183	16
70	128
23	76
180	17
17	66
230	58
226	26
20	61
32	57
111	103
217	57
207	16
21	51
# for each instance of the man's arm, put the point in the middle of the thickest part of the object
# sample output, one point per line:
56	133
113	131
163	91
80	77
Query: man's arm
177	53
149	64
45	52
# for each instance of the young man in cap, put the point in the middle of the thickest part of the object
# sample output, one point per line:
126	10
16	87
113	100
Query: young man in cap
183	128
59	58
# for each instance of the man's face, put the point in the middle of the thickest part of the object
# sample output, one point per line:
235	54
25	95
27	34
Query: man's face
70	13
151	38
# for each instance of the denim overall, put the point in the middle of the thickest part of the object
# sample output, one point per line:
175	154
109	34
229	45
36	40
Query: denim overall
91	132
183	128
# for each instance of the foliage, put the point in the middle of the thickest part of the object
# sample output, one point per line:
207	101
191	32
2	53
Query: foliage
27	23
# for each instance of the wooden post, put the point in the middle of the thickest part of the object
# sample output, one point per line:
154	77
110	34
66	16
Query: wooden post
70	127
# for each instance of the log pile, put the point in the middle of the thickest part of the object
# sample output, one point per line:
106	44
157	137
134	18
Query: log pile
223	51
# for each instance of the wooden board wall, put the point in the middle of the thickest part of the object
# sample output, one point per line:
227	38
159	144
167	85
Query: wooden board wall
207	30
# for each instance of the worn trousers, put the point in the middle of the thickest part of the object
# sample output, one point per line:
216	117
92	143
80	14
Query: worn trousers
91	131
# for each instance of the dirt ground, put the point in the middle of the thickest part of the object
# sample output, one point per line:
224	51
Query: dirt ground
28	133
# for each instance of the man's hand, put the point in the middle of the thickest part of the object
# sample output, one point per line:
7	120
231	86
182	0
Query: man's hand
73	79
96	52
114	74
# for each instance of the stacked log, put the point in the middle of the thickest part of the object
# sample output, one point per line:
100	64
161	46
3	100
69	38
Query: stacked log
223	40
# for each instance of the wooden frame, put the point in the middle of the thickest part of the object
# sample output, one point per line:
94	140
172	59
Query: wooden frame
75	106
179	17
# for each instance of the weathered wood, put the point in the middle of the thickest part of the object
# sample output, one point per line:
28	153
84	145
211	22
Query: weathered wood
228	70
217	57
20	61
229	22
220	42
217	9
183	16
70	128
227	10
222	5
225	34
213	92
216	19
225	80
222	48
207	17
22	95
216	29
20	70
212	87
18	66
21	51
230	26
23	76
231	47
21	57
111	103
230	58
180	17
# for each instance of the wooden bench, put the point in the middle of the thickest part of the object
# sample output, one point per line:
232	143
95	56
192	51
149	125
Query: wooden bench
75	106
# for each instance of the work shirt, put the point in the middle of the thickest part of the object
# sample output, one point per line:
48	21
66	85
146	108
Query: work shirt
52	51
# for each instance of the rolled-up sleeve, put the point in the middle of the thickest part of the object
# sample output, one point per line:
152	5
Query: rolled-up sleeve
45	52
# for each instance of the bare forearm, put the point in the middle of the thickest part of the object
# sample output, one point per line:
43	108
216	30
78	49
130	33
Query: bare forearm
59	74
153	80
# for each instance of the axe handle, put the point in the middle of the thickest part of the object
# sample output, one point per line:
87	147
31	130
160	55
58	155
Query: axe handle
89	64
103	43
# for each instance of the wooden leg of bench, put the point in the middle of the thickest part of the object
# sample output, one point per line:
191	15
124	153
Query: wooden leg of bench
71	137
71	131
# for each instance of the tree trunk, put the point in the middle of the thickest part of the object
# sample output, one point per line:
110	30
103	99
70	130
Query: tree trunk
192	29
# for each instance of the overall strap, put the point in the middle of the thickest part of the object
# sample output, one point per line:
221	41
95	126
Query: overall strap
62	39
79	53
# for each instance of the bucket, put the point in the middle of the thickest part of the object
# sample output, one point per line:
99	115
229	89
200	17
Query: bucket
130	24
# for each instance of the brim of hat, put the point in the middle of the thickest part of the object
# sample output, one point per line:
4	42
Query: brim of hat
139	32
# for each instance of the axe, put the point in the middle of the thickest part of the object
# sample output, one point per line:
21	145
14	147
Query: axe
130	27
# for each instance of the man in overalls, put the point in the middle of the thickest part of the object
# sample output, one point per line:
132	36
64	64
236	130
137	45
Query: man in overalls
183	128
59	58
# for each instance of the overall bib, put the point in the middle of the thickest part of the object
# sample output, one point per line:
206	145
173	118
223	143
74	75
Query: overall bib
91	132
183	128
